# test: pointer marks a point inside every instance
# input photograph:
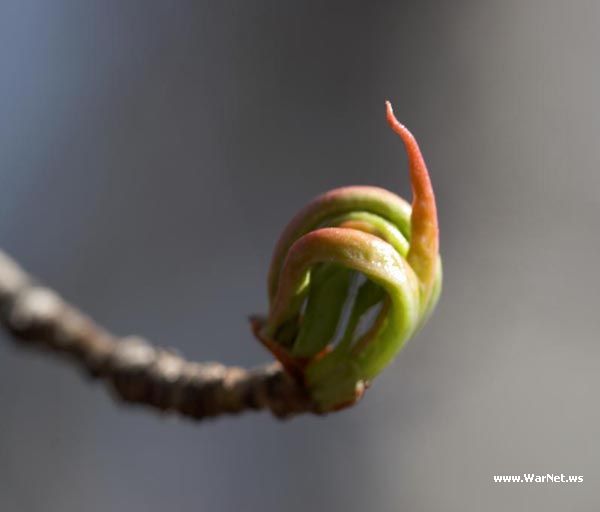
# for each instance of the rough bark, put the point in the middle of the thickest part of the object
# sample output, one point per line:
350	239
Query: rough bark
136	370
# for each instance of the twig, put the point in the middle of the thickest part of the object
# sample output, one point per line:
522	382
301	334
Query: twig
137	371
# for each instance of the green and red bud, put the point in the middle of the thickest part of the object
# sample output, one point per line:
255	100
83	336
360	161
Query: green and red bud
316	310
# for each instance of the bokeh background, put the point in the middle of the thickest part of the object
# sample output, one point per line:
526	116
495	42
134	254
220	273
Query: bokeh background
150	154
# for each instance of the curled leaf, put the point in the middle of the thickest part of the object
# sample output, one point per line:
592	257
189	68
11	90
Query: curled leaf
355	273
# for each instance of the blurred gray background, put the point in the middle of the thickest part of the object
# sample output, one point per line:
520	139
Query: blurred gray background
150	154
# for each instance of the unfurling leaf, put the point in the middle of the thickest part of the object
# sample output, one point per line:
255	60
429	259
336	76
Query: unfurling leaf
352	256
